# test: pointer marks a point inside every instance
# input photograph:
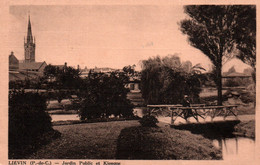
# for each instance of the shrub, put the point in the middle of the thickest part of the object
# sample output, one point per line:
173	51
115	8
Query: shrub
233	83
28	122
247	98
105	95
148	121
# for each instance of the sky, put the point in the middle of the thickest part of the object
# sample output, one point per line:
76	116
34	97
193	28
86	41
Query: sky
104	36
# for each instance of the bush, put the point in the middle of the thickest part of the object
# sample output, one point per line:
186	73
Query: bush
28	122
148	121
247	98
105	95
163	143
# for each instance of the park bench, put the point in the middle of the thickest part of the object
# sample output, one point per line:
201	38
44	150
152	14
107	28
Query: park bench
195	111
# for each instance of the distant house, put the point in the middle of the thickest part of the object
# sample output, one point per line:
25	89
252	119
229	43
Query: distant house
33	66
105	70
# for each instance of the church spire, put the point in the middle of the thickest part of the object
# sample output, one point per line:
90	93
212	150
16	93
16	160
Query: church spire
29	45
29	32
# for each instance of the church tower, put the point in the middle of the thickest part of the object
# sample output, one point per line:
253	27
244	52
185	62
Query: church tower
29	45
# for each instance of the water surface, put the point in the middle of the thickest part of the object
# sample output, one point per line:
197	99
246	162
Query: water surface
237	148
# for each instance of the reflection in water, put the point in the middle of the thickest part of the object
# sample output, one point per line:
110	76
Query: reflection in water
236	148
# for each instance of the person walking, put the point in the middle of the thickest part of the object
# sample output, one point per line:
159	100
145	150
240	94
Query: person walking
186	103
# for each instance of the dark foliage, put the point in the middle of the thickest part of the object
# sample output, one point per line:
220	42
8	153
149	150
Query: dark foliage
248	97
245	33
104	95
234	82
148	121
149	143
211	130
216	30
64	77
28	122
29	83
166	80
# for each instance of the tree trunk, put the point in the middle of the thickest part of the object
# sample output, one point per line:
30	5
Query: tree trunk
254	75
219	82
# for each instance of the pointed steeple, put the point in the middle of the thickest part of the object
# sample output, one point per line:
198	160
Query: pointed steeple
29	45
29	32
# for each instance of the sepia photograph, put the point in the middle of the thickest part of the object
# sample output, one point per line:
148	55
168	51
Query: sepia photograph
131	82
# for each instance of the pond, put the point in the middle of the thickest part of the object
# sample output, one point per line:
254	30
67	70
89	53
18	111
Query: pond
64	117
236	148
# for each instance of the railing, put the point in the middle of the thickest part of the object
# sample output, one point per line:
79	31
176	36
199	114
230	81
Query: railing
195	111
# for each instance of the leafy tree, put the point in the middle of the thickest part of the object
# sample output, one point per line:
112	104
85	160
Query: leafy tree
50	71
66	78
245	33
164	80
210	29
105	95
129	70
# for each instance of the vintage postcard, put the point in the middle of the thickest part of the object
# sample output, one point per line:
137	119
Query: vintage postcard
129	82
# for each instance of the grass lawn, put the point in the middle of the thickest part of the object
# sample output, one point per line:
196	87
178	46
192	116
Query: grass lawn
164	143
246	109
104	141
246	128
84	141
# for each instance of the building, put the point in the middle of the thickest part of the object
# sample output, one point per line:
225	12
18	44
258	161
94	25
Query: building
13	62
33	66
105	70
29	45
27	68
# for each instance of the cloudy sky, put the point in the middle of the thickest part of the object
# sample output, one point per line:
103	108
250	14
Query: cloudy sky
104	36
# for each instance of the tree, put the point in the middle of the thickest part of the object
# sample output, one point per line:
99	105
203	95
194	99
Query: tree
105	95
68	78
245	35
50	71
166	80
210	29
65	80
129	70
